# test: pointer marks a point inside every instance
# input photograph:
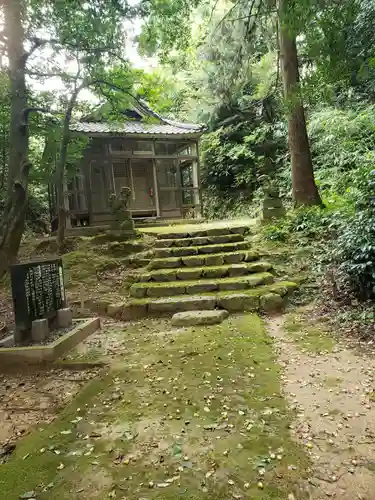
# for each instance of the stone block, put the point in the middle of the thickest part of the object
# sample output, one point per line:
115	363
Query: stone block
238	270
39	330
234	258
272	203
259	267
200	241
259	279
232	285
201	288
242	245
239	302
271	303
218	272
64	318
189	274
163	252
210	249
192	318
165	291
218	231
273	213
164	276
214	260
145	277
182	304
138	291
185	242
134	311
193	261
164	243
171	236
184	252
115	309
239	230
165	263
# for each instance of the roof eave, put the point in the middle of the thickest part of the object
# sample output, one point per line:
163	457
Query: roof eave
193	135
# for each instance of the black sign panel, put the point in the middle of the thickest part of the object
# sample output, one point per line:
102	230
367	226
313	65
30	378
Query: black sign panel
38	291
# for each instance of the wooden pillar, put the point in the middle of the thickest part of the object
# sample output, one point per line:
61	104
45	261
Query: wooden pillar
199	183
66	206
88	191
156	184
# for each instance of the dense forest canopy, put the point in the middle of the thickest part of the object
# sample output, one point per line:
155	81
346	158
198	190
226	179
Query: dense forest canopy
285	88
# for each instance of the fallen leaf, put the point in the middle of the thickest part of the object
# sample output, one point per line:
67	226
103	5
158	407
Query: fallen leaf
29	495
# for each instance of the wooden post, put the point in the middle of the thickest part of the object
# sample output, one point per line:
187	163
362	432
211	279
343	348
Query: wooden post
68	220
156	185
87	168
198	168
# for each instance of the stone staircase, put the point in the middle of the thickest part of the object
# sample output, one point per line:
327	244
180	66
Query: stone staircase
205	270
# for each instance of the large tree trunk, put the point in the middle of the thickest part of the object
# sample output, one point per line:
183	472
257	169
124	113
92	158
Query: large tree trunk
305	191
13	220
60	172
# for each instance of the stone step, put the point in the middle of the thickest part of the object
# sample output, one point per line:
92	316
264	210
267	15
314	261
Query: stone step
218	259
199	241
195	273
195	233
152	289
205	249
247	300
195	318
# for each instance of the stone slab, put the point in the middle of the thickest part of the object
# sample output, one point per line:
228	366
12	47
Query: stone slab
194	318
165	291
39	330
182	304
239	302
64	317
271	303
189	274
203	287
50	352
164	276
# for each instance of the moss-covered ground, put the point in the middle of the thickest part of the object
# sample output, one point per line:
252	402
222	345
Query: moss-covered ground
195	413
310	335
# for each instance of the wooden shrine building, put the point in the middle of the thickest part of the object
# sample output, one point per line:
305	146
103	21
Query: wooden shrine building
157	158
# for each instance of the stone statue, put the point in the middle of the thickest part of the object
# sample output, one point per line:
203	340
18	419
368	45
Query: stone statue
119	206
272	204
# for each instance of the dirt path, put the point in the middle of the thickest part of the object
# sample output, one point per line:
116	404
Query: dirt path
332	394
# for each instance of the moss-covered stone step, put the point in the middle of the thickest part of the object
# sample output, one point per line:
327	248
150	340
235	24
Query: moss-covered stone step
195	273
194	318
248	300
205	249
218	259
196	233
199	241
152	289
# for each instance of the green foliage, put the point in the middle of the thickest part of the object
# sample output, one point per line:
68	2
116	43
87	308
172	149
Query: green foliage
312	222
343	145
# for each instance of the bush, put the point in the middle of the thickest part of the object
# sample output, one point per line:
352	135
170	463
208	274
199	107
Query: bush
354	249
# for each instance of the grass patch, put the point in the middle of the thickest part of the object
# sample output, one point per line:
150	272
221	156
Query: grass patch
313	338
197	411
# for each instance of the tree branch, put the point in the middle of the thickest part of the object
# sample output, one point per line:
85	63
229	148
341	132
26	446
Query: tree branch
27	112
39	42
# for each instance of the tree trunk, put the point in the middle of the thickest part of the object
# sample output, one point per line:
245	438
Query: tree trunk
13	220
305	191
61	211
18	137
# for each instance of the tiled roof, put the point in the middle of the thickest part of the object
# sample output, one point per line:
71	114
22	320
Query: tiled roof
129	128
